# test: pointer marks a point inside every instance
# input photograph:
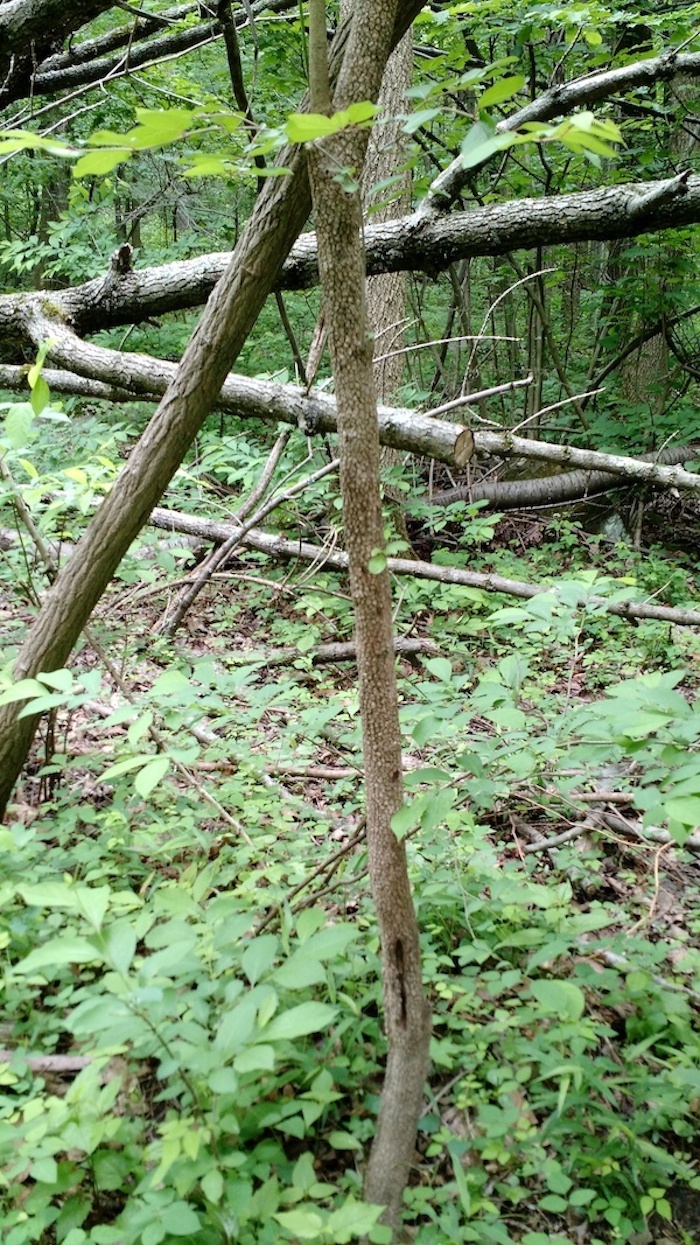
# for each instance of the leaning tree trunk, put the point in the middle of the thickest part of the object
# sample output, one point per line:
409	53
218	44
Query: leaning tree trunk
341	266
231	312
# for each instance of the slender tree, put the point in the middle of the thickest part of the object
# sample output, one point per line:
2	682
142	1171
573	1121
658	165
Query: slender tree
333	166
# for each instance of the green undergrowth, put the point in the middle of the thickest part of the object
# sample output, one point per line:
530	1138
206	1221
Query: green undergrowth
231	1075
234	1067
186	914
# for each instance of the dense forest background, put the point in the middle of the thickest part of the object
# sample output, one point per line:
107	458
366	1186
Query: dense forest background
268	689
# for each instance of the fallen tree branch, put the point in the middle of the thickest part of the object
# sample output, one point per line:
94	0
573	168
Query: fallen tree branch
653	834
563	487
291	550
430	244
60	1064
405	646
399	428
147	377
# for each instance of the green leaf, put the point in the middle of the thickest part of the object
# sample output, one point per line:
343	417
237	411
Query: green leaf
685	809
255	1059
92	901
41	395
306	1224
300	971
61	680
153	1234
552	1202
351	1220
306	127
18	423
120	945
404	820
418	119
45	1170
50	895
129	763
331	941
299	1021
213	1185
58	952
172	683
210	166
25	140
359	114
440	667
180	1220
559	998
151	775
481	142
340	1140
223	1081
97	162
581	1197
377	563
42	704
425	728
109	1169
259	956
500	91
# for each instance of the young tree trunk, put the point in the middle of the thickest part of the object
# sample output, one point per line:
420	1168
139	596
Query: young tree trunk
386	294
230	314
341	266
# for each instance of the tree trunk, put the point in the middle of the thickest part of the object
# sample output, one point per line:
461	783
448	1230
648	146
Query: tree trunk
341	267
386	294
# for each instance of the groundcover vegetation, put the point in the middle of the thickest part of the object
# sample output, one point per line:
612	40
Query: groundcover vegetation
191	992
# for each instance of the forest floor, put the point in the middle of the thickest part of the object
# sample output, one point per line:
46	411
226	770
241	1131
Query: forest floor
551	769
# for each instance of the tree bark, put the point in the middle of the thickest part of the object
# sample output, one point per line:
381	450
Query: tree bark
231	312
29	30
341	266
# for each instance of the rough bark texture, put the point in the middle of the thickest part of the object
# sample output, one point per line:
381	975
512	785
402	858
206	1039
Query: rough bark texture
341	266
29	30
22	21
386	292
229	316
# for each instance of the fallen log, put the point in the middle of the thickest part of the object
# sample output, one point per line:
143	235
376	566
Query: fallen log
282	549
554	490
